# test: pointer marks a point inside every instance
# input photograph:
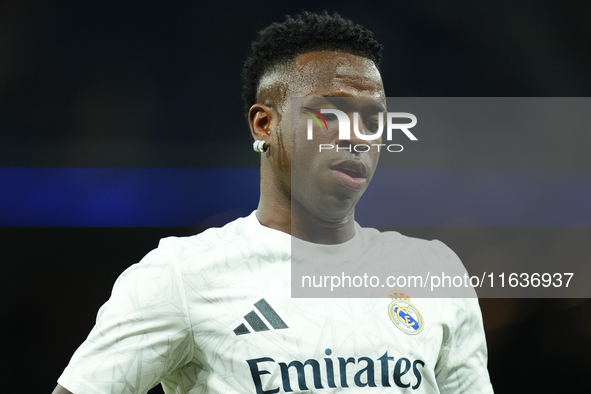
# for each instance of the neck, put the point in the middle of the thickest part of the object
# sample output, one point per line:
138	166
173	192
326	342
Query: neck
279	212
274	211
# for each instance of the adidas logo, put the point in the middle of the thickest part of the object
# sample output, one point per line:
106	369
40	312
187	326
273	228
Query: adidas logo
256	323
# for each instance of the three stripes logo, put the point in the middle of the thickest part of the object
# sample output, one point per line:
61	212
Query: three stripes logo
256	323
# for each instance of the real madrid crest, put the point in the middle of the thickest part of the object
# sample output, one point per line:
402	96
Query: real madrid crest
405	315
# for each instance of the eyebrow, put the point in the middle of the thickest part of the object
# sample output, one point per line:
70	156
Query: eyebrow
377	107
319	100
374	107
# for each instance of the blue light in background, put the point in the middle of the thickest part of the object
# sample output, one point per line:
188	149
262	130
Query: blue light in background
126	196
186	197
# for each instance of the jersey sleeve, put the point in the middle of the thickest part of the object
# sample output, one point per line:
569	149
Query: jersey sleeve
142	332
462	363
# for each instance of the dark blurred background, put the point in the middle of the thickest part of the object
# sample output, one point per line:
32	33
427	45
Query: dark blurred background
109	84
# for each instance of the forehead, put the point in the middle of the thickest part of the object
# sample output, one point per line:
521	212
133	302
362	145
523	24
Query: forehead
337	74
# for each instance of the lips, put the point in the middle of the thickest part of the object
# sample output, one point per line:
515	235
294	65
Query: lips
353	168
351	173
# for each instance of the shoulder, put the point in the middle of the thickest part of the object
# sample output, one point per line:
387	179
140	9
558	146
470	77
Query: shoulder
210	238
162	263
393	240
432	260
224	247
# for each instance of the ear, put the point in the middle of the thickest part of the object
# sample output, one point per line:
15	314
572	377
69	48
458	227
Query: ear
262	120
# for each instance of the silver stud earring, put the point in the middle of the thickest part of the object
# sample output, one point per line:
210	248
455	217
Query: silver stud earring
259	146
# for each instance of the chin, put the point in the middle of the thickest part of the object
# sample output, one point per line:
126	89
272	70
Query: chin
335	208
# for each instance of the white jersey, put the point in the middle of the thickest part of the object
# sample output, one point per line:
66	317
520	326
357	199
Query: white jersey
212	313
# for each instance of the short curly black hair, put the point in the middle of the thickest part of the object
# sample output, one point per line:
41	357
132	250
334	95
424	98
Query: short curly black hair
281	43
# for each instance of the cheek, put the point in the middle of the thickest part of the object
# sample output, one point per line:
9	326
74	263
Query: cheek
375	159
283	145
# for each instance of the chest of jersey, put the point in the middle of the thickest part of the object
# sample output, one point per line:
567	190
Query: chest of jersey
258	339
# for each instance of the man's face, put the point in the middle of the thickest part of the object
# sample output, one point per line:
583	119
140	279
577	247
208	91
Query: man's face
328	184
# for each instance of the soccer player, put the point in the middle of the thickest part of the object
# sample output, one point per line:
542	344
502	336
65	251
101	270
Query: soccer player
213	313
